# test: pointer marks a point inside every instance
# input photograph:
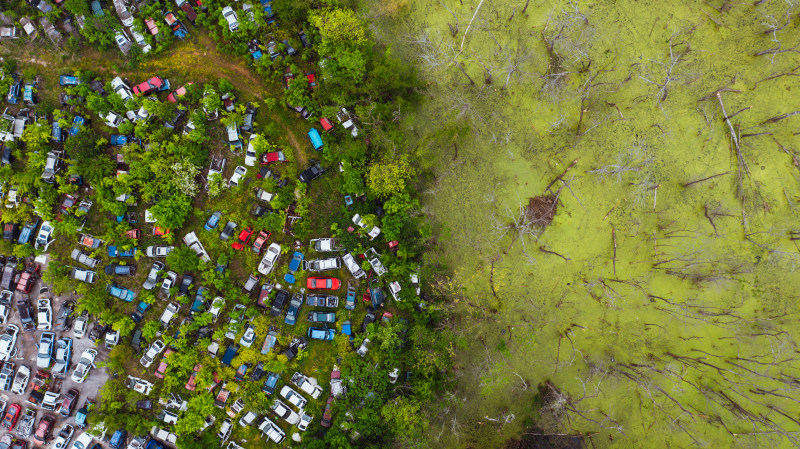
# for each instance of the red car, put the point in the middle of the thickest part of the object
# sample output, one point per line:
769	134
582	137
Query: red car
160	232
152	85
26	280
68	202
327	415
323	283
11	416
179	92
312	80
44	430
244	239
272	157
262	238
162	367
133	233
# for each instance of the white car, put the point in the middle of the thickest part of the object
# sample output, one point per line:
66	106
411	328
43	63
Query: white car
155	348
8	342
250	158
285	412
139	385
21	380
158	251
152	276
326	245
237	314
169	313
5	305
230	16
394	289
80	326
305	420
114	119
122	41
270	257
63	436
225	430
12	201
83	441
44	357
139	38
216	307
372	232
121	89
44	314
272	431
293	397
306	385
362	350
45	236
248	419
238	174
354	268
84	366
169	282
248	337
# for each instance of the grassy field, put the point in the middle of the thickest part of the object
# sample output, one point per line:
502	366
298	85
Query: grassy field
658	307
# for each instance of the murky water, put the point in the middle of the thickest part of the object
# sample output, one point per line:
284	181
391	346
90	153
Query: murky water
667	318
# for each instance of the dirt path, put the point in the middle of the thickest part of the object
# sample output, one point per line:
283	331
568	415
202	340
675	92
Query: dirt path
197	60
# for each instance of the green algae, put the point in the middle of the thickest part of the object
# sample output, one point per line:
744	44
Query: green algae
685	335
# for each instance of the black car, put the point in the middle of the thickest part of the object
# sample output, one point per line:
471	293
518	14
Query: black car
295	346
258	372
249	118
281	298
311	173
26	315
120	270
10	232
227	231
64	317
304	39
369	318
136	340
257	210
144	405
98	330
186	283
97	86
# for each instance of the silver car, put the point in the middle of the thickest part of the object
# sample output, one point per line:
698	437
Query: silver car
153	276
44	357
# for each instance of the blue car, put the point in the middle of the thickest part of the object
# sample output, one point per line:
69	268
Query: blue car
118	140
294	309
348	330
319	333
199	304
271	382
294	265
77	123
56	135
138	314
121	293
114	252
68	80
213	221
14	89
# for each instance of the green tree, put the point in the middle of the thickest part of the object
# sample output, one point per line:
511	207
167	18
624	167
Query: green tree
183	259
389	177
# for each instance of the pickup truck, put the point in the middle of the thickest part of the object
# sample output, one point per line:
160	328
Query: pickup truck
187	8
192	242
222	396
330	301
82	258
175	25
216	168
89	241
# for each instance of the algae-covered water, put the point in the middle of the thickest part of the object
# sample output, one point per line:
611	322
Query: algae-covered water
654	311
